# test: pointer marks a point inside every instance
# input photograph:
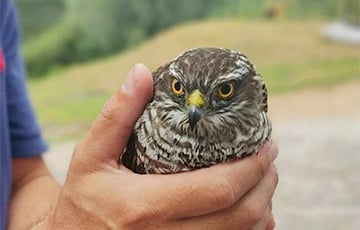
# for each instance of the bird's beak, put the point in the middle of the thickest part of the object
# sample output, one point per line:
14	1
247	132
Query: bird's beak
195	102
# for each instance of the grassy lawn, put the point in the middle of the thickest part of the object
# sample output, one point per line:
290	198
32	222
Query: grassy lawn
289	54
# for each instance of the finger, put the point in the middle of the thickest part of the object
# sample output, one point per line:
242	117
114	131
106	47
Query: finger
263	223
112	128
271	225
247	212
207	190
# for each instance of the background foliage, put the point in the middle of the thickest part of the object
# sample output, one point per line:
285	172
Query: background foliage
59	32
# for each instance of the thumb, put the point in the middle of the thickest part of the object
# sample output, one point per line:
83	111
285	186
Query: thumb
111	130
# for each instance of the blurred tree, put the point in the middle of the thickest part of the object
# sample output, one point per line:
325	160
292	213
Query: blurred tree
93	28
351	11
53	48
314	9
38	15
277	9
107	25
223	7
99	27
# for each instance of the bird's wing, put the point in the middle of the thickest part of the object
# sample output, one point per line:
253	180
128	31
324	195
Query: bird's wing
130	158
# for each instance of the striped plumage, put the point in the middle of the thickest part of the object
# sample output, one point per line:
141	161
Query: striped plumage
209	106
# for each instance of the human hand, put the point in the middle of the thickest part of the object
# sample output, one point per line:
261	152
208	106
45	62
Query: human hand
101	194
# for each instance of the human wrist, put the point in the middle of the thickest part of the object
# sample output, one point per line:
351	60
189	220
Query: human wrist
71	213
63	215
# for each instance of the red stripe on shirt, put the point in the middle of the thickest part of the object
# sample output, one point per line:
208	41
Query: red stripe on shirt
2	62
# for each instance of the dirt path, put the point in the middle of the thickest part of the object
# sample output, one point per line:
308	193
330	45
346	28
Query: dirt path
318	132
338	102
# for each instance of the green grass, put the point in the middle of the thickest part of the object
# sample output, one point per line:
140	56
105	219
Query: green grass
290	55
78	110
285	77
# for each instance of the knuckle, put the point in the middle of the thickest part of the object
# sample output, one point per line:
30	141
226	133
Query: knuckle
130	216
224	194
136	215
261	167
254	213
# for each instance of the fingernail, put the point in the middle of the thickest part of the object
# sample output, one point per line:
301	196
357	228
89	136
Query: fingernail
130	80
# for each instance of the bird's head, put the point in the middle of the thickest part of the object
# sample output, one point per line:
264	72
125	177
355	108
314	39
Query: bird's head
210	92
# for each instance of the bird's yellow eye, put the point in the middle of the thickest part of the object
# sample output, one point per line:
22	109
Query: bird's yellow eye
177	88
226	90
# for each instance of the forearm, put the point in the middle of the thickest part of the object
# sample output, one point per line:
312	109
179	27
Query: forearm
34	193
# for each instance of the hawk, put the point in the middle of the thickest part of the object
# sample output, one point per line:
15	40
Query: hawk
209	106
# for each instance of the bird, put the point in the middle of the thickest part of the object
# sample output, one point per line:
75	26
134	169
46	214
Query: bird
209	106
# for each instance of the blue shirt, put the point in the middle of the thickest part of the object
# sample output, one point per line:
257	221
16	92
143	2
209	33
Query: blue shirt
19	133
